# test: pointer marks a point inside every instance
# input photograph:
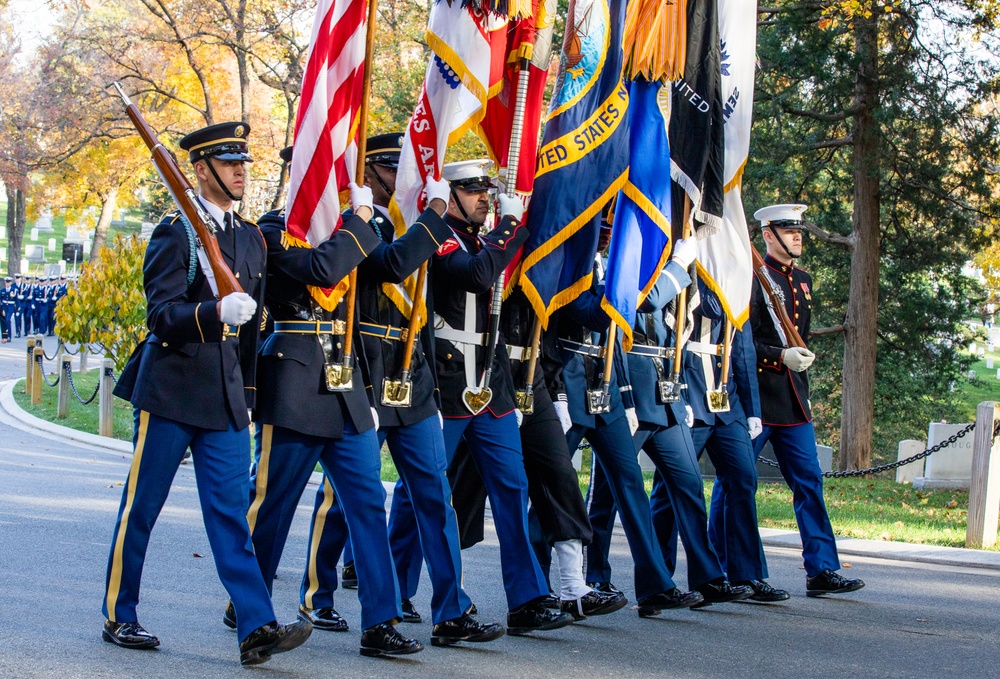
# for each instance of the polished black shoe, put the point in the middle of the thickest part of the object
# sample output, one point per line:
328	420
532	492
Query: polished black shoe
465	628
535	617
410	613
594	603
128	635
326	618
551	601
672	598
472	610
382	640
605	587
273	638
229	617
831	582
765	594
349	576
721	592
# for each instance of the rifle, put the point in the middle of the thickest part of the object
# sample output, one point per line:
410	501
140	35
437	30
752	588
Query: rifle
184	197
775	301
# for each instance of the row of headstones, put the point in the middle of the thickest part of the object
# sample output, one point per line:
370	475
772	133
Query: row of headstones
980	353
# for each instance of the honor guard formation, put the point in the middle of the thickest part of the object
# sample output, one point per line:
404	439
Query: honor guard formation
253	323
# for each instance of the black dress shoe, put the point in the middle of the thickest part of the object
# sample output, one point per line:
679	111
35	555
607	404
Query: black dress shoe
594	603
831	582
410	613
326	618
128	635
551	601
465	628
472	610
273	638
383	639
349	576
535	617
764	593
672	598
605	587
229	617
722	591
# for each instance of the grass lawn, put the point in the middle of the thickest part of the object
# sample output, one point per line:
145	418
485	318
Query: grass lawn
81	417
986	386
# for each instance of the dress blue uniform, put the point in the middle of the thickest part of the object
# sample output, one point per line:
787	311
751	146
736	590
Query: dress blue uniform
8	304
20	309
39	297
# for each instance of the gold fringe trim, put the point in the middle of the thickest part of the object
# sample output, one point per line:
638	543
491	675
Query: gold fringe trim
736	318
655	39
328	299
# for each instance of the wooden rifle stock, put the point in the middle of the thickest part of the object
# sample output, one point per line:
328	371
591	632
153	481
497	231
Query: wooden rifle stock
184	197
778	304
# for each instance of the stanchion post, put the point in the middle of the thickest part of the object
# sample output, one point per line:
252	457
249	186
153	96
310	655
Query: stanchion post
36	376
29	358
83	359
60	350
65	370
106	399
984	492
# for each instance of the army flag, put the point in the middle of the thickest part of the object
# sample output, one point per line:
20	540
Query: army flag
464	70
583	160
325	128
724	261
640	239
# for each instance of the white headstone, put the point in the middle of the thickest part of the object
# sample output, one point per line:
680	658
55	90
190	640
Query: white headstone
989	362
825	456
998	373
972	375
982	353
3	254
52	245
908	472
86	246
953	462
34	253
147	230
34	234
972	348
44	221
3	233
991	346
62	266
24	266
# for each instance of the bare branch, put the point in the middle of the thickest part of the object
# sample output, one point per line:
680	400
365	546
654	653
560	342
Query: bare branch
832	330
846	241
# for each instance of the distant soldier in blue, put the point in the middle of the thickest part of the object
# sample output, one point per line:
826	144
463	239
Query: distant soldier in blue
20	309
7	305
39	297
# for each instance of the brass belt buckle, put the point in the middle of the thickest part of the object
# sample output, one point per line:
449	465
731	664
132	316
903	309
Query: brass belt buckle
339	377
525	399
670	391
397	393
339	327
598	401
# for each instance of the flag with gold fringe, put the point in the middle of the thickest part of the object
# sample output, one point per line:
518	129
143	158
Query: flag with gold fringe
583	160
724	261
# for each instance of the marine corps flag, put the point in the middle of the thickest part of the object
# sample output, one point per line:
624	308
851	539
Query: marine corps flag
325	129
724	261
583	160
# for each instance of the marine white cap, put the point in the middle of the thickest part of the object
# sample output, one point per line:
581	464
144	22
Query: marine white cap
784	216
470	175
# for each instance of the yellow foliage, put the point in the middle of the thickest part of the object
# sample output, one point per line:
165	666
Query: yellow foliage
107	306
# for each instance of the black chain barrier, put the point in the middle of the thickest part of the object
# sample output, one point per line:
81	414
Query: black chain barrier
72	384
67	350
893	465
41	369
53	356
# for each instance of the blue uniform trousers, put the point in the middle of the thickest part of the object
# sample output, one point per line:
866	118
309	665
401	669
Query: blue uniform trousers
795	450
220	459
328	536
20	320
622	486
285	461
732	525
495	447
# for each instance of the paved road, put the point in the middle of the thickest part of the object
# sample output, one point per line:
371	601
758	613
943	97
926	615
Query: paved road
58	502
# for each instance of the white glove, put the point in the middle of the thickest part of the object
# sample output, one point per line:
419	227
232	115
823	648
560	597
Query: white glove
236	308
361	196
633	420
375	416
510	206
562	412
688	416
438	189
754	427
797	359
520	417
685	252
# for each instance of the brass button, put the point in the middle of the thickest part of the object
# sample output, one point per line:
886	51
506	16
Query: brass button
448	357
237	274
500	242
280	355
258	274
796	315
760	370
165	344
338	345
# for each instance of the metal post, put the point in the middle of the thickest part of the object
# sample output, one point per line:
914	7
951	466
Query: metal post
83	359
106	401
27	365
36	376
984	492
65	370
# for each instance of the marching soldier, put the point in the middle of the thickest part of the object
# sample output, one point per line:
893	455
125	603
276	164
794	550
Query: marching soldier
463	272
727	436
39	295
784	395
191	382
17	294
7	305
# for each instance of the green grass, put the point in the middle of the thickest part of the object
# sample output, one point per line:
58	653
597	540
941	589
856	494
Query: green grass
986	386
81	417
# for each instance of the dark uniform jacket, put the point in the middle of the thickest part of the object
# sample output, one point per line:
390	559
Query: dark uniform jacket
466	263
391	262
291	377
744	400
784	394
186	370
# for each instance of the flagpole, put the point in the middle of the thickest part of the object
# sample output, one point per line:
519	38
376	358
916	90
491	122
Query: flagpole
346	373
599	400
673	391
718	400
397	393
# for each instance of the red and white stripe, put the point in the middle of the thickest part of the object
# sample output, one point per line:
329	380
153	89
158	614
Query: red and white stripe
325	136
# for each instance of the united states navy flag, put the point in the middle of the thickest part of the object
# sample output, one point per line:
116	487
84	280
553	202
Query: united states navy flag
583	160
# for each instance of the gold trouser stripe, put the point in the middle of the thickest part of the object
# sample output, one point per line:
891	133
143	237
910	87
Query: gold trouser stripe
260	489
115	581
319	523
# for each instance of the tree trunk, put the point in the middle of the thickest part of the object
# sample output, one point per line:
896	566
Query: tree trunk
15	228
104	223
290	100
241	62
861	332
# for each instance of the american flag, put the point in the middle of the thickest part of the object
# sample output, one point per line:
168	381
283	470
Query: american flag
326	126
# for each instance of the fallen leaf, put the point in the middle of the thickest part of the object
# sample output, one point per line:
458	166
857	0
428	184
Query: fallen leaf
847	565
952	504
198	556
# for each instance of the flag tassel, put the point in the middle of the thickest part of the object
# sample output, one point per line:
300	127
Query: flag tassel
654	40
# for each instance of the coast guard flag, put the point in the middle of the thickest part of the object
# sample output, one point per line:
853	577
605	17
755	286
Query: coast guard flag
583	160
640	239
325	129
465	69
724	261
